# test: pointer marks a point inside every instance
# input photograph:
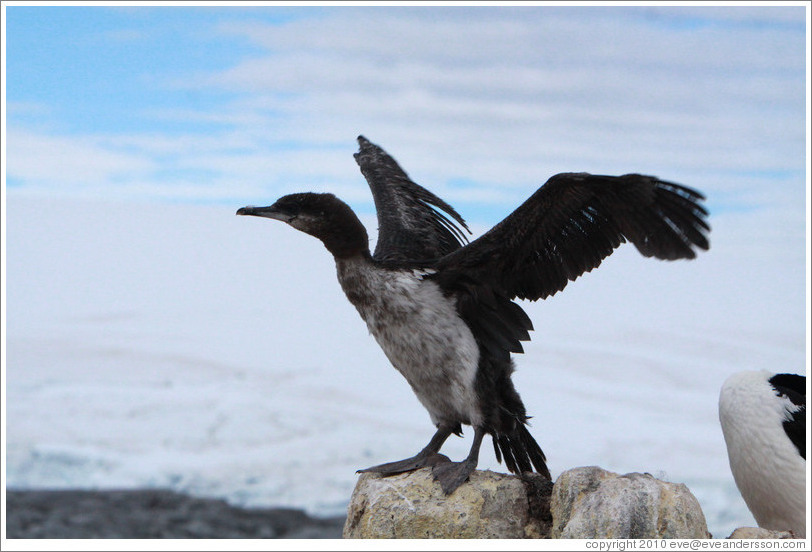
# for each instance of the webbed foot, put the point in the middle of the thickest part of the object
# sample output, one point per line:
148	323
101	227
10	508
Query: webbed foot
453	474
409	464
429	456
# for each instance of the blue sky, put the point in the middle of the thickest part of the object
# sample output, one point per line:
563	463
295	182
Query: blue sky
481	105
99	67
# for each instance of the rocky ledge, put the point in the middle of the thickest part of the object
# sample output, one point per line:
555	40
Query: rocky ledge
584	503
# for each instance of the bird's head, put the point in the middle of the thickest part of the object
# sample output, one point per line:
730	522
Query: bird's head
321	215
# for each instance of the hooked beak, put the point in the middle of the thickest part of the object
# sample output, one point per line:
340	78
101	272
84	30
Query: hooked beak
270	212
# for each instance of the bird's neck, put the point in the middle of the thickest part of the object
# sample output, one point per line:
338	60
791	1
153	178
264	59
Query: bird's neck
345	237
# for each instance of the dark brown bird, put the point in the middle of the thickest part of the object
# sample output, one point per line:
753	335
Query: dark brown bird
443	311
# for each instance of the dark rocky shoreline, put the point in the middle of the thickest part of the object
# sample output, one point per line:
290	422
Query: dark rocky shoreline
152	514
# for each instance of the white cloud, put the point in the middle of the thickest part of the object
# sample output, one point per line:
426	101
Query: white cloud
558	38
498	98
549	85
39	158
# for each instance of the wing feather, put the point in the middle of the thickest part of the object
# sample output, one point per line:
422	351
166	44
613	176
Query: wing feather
575	221
413	223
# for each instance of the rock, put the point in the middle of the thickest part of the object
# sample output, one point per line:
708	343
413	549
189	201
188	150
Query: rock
151	514
759	533
412	505
591	502
584	503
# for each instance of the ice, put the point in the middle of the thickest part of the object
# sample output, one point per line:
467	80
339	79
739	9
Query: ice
181	346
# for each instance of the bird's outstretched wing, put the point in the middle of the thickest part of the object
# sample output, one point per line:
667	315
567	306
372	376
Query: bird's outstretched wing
411	223
571	224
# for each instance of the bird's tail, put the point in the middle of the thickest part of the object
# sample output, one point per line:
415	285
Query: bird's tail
520	451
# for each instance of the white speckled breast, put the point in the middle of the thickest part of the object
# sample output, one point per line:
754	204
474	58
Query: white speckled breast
421	333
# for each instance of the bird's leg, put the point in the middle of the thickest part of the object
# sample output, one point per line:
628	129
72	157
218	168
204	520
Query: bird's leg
453	474
429	456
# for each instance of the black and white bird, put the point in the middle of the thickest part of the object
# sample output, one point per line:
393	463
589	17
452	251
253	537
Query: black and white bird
763	417
443	309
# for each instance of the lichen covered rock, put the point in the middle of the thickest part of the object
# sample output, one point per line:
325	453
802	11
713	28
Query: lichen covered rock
591	502
584	503
412	505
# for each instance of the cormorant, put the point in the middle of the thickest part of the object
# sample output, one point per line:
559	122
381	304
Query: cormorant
442	309
763	417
